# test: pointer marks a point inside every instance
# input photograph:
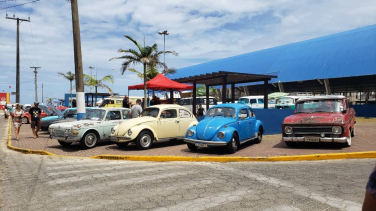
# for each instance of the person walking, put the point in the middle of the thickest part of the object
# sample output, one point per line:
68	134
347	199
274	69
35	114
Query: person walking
35	119
136	110
5	111
17	116
125	102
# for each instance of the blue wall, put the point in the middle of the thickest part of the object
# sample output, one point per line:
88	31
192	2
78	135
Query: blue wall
364	110
66	99
272	119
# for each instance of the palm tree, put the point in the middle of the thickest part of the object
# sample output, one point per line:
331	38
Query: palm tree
91	81
143	55
70	76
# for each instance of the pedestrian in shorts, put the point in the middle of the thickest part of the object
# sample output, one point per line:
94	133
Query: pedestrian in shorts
35	119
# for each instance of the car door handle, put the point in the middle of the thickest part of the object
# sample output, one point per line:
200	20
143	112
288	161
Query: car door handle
176	121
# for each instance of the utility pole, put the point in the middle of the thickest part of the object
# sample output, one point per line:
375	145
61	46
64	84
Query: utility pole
80	94
35	80
18	57
42	94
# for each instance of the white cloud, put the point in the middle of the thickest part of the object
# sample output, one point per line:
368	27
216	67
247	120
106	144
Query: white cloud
200	31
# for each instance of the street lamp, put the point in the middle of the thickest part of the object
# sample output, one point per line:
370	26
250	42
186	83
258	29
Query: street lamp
165	32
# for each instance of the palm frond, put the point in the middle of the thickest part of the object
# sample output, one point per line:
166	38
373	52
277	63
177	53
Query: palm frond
139	74
134	41
131	51
106	87
107	78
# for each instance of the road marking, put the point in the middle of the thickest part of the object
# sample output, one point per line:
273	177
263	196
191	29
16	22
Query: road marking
107	174
123	182
208	202
106	168
298	190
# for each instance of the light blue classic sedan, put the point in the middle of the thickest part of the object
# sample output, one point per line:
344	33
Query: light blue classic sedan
226	125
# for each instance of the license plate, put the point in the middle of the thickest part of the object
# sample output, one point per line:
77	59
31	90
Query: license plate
312	139
59	133
201	145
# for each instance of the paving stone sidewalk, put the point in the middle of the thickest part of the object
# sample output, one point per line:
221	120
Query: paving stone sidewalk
270	146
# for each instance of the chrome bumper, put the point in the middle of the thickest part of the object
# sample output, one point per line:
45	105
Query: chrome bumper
210	143
302	139
120	138
68	139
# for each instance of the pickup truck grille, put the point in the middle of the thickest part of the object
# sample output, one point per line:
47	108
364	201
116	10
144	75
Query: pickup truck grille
312	129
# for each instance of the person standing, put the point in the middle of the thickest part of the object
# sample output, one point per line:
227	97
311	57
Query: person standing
125	102
5	111
35	119
200	111
136	110
17	116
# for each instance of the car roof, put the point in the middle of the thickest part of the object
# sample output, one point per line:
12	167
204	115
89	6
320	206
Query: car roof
196	97
110	108
324	97
163	106
232	105
251	97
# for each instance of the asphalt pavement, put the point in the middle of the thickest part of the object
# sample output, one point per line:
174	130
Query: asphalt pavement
35	182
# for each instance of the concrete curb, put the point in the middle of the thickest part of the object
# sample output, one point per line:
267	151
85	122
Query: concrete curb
332	156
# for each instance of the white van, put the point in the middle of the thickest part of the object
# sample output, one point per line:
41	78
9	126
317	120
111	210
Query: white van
188	101
255	101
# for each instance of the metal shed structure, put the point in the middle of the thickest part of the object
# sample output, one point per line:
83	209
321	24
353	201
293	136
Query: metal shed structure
224	78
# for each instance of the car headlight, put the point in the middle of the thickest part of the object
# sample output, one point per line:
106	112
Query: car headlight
190	133
337	130
288	129
221	135
112	130
129	132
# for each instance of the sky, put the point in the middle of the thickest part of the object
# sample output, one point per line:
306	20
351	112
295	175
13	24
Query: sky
199	31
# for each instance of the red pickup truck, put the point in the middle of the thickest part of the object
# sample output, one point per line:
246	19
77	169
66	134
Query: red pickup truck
320	119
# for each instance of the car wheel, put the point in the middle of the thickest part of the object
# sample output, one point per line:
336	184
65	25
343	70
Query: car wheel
353	132
290	144
144	140
62	143
89	140
232	145
25	120
122	144
192	147
348	139
259	135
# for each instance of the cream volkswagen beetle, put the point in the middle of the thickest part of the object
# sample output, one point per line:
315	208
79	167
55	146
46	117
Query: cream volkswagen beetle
157	123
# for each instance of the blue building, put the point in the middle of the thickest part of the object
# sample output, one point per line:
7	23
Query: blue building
338	63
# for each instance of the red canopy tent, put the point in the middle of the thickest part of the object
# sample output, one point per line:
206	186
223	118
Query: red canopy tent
162	83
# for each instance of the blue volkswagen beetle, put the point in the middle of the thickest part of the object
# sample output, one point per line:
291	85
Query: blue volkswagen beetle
226	125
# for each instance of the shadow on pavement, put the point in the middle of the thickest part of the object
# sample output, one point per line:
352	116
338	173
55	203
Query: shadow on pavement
305	145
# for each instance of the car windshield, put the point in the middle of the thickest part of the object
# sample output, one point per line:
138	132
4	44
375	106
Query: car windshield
70	112
222	111
327	105
243	100
150	112
94	114
285	100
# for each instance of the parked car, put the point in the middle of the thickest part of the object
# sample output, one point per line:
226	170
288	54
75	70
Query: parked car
45	112
188	102
320	119
287	102
226	125
255	101
157	123
69	115
93	127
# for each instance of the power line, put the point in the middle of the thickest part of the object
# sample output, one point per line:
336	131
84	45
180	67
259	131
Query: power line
23	58
18	4
25	50
32	36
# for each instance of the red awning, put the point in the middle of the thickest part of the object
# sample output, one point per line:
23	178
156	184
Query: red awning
162	83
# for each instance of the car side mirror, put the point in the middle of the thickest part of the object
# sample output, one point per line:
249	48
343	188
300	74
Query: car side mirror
344	111
242	116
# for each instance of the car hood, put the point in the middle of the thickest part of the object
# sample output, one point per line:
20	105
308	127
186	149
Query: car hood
76	124
314	118
207	128
50	118
123	127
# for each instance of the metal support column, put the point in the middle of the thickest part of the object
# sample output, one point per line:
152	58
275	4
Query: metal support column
194	98
171	97
233	93
207	96
224	90
266	94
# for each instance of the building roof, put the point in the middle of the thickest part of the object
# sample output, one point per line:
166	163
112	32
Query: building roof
161	82
345	54
324	97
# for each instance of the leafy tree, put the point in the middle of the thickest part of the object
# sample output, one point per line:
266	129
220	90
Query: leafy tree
91	81
70	76
147	56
